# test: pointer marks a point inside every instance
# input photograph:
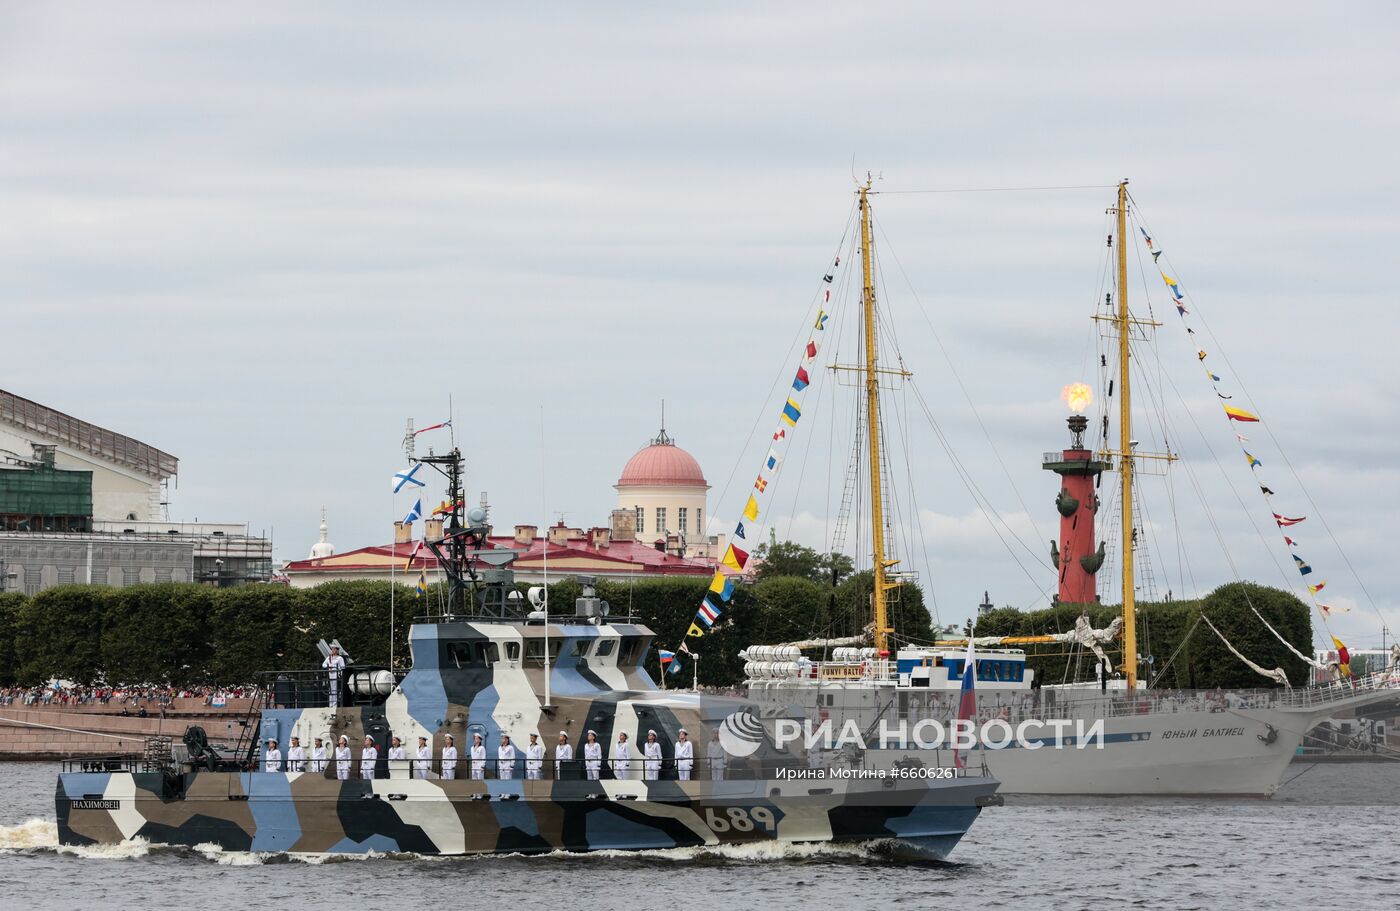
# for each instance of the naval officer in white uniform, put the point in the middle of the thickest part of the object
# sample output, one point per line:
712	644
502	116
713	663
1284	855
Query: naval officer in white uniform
335	668
534	759
369	757
425	759
622	758
716	756
318	757
563	752
449	757
296	756
478	758
342	758
397	767
505	758
651	764
685	755
592	756
272	760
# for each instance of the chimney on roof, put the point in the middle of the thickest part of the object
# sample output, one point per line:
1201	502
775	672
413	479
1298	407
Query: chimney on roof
525	534
660	544
598	537
432	530
403	534
558	534
624	525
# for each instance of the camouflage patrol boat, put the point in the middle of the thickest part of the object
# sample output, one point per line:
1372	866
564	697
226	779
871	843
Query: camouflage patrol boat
490	664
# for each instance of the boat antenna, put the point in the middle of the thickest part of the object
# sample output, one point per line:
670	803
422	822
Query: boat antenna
545	561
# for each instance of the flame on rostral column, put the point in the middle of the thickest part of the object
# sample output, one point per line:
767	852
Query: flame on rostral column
1077	396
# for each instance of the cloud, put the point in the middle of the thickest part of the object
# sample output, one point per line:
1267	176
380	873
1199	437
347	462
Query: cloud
262	238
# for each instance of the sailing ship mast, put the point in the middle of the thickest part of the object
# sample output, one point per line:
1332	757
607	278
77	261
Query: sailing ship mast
879	597
1125	444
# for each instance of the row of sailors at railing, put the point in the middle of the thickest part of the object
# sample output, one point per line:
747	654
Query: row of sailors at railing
621	762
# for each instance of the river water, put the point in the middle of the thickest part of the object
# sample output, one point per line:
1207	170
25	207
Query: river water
1331	837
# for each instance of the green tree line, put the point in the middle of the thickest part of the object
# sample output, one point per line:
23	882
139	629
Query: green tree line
187	635
1184	652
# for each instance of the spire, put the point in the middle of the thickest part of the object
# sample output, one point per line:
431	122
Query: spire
323	547
662	438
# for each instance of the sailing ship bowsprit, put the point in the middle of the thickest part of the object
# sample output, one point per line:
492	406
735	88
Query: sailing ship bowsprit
492	666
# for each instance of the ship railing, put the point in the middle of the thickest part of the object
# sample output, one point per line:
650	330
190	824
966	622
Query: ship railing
834	764
309	689
112	764
1014	707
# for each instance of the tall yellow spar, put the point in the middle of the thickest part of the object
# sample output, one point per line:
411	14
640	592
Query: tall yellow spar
880	596
1125	446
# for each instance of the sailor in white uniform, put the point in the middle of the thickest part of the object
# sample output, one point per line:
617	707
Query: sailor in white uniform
369	757
425	759
342	758
449	757
685	755
592	756
563	753
505	758
534	759
397	767
318	756
478	758
296	756
622	758
716	756
335	668
272	759
651	765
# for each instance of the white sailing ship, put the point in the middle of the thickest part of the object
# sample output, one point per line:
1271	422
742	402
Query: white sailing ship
1111	737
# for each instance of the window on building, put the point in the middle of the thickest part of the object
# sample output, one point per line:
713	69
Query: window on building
641	520
661	520
680	521
699	520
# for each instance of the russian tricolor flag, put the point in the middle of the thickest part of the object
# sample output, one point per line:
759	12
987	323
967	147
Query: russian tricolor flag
967	702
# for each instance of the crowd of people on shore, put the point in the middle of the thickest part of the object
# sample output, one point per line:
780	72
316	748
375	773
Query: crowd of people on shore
136	698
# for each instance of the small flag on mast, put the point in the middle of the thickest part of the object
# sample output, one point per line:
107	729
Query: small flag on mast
406	477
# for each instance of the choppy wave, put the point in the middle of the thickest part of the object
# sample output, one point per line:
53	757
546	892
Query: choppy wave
33	833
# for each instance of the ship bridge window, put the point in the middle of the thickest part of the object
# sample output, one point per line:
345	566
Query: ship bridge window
581	647
605	647
471	654
633	648
512	651
535	648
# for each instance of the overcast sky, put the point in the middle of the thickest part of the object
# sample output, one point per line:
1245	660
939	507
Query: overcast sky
260	238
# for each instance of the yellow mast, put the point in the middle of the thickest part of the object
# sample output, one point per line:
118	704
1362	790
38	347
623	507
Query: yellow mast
879	606
1125	443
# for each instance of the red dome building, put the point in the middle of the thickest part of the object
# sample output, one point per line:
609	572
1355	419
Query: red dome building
664	489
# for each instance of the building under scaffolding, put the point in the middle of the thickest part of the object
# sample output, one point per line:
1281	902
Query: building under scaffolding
82	505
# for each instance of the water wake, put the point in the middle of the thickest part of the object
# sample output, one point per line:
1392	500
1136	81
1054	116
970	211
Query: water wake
41	835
